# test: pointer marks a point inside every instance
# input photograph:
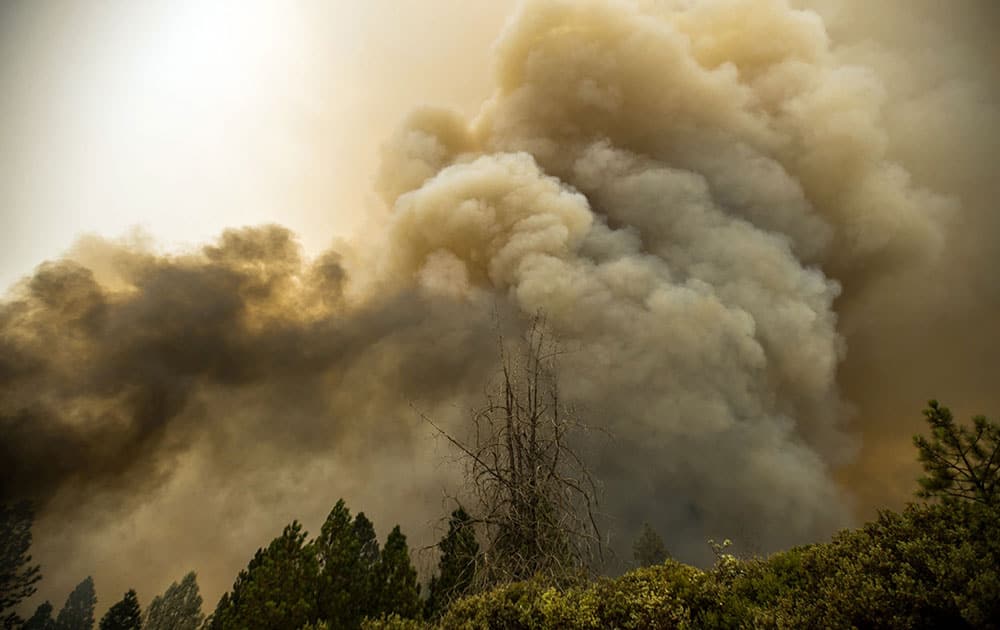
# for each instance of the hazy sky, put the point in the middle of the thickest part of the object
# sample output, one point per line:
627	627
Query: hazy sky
782	225
183	117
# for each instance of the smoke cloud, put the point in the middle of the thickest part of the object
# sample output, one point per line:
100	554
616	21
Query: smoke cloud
760	229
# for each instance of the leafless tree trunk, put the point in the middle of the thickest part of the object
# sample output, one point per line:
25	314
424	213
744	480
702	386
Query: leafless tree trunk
536	500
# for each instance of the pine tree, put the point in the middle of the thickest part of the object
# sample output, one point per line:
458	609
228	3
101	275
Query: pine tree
179	608
396	590
648	549
457	566
42	619
961	464
344	596
17	575
125	615
277	590
78	611
368	559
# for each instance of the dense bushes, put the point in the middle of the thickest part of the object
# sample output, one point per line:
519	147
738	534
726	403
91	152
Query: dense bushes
931	566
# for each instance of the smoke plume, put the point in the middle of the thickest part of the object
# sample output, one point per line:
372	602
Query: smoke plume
760	229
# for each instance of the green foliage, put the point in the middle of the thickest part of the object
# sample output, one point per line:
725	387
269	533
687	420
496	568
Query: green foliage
960	463
335	581
276	591
392	622
648	549
348	554
17	575
931	566
928	567
457	566
368	551
42	619
78	611
179	608
125	615
397	590
647	598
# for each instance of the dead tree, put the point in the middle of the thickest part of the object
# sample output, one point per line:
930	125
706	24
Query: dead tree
534	500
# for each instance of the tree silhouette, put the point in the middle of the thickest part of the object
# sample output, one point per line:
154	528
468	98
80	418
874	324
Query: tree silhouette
78	611
17	575
179	608
344	596
125	615
42	619
648	549
960	463
535	500
277	590
457	566
396	590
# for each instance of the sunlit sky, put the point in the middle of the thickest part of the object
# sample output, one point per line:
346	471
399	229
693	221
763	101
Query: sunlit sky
181	118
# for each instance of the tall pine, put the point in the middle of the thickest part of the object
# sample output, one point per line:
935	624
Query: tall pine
457	566
648	549
42	619
277	590
179	608
344	597
125	615
396	590
368	559
78	611
18	575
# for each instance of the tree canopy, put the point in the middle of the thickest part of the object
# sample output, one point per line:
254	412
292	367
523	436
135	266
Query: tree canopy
277	590
42	619
125	615
338	579
648	549
78	611
18	575
178	608
960	463
346	551
457	565
396	588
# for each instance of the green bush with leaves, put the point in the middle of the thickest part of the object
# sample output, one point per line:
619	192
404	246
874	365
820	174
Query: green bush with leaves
651	597
393	622
929	566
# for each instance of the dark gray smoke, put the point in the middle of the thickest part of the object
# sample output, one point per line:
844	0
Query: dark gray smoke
752	226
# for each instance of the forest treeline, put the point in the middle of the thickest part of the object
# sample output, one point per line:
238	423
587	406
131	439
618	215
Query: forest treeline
935	564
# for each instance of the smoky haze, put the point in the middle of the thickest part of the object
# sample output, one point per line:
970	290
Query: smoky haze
762	230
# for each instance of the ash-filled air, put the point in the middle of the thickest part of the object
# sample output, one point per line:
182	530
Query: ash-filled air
764	232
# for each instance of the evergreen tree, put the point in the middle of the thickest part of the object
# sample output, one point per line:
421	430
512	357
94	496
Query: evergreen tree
78	611
179	608
17	575
277	590
125	615
396	590
648	549
42	619
344	596
457	566
960	463
368	559
368	552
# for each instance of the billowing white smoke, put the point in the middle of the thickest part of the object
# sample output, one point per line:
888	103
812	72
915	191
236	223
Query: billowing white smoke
710	201
668	182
